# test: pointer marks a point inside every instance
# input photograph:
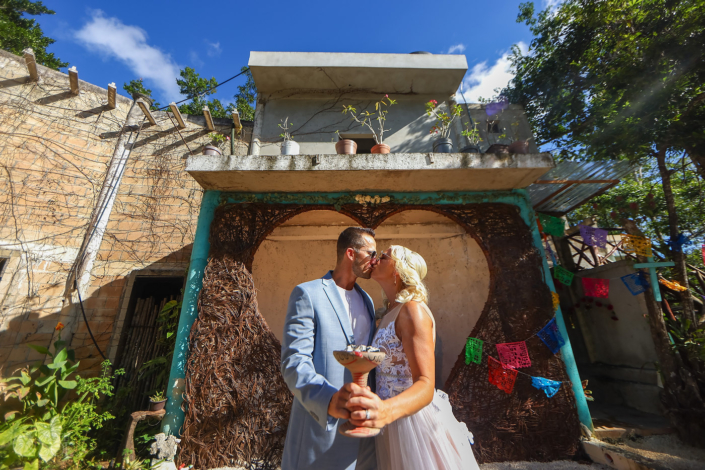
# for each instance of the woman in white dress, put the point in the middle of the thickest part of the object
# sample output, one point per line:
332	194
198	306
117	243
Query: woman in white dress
419	429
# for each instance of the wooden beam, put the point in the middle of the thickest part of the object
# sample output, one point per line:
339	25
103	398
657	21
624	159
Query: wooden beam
574	181
31	63
112	95
209	118
177	115
236	121
145	109
73	80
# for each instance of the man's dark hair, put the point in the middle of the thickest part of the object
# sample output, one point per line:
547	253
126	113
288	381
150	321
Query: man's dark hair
352	237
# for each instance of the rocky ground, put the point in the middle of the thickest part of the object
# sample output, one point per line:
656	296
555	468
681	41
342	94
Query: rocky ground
557	465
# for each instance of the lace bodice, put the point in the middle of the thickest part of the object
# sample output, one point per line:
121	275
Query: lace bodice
394	373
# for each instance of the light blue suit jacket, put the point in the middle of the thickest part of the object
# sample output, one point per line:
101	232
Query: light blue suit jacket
317	324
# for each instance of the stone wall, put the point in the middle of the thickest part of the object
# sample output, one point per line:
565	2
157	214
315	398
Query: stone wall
55	150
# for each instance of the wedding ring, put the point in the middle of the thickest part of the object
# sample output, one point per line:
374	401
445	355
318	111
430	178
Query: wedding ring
367	414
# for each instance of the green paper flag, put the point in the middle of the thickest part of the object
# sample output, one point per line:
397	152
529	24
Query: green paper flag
473	351
552	225
562	275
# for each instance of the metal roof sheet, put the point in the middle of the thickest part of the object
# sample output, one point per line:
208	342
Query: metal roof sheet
571	184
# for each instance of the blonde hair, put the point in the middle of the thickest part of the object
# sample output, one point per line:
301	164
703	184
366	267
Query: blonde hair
412	270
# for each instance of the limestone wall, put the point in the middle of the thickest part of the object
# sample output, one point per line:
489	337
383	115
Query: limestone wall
55	149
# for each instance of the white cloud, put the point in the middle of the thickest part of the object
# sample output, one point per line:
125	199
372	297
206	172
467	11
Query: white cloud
483	79
214	49
457	48
113	38
195	59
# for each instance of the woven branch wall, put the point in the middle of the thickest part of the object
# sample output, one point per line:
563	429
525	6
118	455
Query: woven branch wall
525	425
237	402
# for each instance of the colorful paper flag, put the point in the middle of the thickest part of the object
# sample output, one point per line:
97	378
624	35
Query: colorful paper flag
556	300
552	225
501	377
703	254
514	355
593	236
551	337
673	285
473	351
593	287
549	254
562	275
549	387
637	244
637	282
680	241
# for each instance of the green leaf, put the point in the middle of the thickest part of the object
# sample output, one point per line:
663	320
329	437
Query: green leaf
24	445
59	344
33	465
25	378
45	380
10	415
10	434
61	356
169	334
39	349
48	451
68	384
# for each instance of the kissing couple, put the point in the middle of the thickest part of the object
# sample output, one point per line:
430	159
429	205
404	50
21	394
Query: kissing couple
329	314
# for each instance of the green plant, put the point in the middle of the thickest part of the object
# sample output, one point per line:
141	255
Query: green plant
365	118
473	135
216	138
286	126
40	426
159	396
443	119
691	342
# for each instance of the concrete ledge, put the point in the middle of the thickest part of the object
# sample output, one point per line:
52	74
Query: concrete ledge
606	454
394	172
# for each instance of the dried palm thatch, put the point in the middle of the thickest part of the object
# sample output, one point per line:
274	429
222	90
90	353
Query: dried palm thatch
237	402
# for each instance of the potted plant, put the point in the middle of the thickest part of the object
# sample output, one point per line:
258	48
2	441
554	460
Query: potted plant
213	149
473	136
497	146
157	401
365	119
443	144
518	146
495	109
345	146
289	147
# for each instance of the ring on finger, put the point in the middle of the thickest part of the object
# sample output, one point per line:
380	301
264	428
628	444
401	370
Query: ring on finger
367	414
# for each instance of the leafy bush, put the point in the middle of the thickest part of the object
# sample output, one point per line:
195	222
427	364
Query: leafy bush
43	429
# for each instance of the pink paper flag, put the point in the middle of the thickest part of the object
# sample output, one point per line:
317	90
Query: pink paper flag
593	287
514	355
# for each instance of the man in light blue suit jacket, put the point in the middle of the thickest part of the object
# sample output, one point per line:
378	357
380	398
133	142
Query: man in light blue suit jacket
318	323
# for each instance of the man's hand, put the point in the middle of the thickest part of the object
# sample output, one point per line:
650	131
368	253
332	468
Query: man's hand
336	407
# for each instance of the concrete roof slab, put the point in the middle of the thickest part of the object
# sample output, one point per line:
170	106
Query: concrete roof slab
378	73
394	172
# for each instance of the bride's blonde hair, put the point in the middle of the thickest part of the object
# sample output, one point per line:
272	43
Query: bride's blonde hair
412	270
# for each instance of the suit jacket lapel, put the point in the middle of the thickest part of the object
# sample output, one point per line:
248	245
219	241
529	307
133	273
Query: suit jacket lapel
331	291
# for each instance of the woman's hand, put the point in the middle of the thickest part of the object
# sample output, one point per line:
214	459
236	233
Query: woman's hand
364	401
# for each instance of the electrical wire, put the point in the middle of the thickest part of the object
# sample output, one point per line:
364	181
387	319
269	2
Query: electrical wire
80	301
207	89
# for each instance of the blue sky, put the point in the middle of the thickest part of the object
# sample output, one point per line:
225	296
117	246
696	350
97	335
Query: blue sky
119	41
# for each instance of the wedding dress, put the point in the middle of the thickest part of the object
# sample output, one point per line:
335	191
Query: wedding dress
429	439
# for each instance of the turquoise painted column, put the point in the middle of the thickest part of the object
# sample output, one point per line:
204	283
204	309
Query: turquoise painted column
529	217
174	418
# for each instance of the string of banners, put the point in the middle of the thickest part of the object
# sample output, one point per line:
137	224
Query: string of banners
637	283
512	356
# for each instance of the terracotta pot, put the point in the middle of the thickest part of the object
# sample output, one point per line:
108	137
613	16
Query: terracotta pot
498	148
346	147
290	148
442	146
520	146
381	148
211	150
156	405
